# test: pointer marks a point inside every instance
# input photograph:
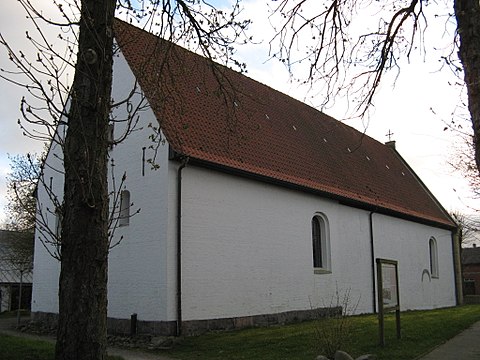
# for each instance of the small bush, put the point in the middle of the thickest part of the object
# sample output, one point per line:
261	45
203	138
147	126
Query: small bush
333	330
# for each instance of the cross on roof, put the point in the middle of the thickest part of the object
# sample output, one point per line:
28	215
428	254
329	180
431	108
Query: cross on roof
389	134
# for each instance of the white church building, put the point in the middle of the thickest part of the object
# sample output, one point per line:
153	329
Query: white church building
259	207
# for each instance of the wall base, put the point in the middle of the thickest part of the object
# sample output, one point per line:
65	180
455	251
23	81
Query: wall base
196	327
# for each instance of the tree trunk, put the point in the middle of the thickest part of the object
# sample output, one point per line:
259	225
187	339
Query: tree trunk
84	249
467	13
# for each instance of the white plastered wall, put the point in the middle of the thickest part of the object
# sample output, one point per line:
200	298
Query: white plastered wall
419	290
137	265
46	268
247	250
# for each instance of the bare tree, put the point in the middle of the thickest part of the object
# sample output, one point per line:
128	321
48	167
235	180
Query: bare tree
463	159
348	57
469	226
21	186
82	111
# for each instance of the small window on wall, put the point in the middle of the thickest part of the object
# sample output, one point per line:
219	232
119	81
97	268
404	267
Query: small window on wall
58	223
433	251
110	135
321	244
124	214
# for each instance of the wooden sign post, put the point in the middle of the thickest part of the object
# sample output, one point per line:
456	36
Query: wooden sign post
388	294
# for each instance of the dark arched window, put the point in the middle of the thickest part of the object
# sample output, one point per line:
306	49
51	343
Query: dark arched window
317	242
321	243
433	251
124	214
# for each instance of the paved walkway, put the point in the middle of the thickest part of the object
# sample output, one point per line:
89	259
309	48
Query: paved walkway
7	327
464	346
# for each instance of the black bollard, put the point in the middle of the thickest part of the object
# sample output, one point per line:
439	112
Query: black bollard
133	325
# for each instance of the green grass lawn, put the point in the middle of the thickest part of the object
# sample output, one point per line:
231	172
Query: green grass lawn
17	348
421	331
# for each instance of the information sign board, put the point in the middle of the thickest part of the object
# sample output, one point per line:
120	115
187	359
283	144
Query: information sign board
388	294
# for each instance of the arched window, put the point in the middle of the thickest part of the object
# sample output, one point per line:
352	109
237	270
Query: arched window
433	251
110	135
58	223
321	244
124	215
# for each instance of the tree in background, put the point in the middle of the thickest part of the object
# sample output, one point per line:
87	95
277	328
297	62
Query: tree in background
463	160
469	227
21	186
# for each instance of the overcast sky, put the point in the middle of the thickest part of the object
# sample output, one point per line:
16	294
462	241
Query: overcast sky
405	110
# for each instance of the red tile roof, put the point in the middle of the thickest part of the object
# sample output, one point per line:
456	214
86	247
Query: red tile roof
214	114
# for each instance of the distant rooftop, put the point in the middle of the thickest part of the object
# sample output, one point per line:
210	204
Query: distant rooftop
471	256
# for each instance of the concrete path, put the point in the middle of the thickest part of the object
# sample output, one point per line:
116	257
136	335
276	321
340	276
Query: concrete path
464	346
8	325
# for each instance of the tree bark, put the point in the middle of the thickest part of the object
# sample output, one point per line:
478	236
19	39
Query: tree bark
84	249
467	13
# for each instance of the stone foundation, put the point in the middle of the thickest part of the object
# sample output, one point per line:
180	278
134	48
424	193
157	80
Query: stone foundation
195	327
124	327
